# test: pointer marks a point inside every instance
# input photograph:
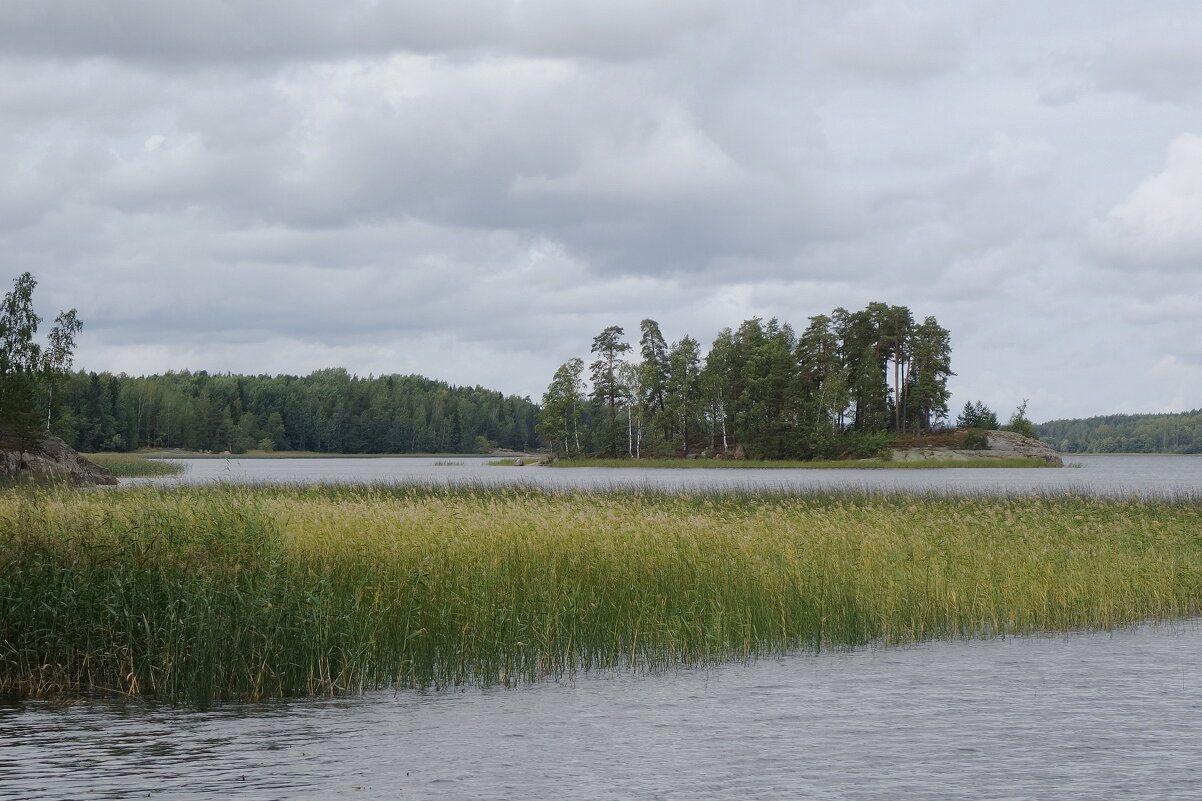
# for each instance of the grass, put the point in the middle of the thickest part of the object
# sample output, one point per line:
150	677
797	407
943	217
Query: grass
858	464
197	594
521	461
131	465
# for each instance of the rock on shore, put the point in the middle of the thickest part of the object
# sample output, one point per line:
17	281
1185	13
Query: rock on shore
52	460
1002	445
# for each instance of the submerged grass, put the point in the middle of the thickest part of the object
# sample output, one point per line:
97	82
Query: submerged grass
130	465
869	464
199	594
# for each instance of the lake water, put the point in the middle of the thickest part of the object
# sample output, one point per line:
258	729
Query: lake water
1082	716
1101	473
1079	716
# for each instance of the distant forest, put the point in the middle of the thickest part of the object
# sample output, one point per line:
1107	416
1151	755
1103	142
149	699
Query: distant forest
1126	433
329	411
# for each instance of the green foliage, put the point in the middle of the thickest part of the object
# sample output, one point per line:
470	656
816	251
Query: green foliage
248	593
1019	423
27	370
977	415
867	444
328	411
766	393
608	391
683	391
974	439
559	420
1126	433
653	378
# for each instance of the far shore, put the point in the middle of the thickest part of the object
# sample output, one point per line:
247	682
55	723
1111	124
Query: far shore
860	464
176	453
518	459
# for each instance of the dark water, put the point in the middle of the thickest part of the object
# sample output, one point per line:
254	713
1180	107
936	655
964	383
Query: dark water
1083	716
1100	473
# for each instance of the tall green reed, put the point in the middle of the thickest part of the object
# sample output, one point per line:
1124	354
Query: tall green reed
198	594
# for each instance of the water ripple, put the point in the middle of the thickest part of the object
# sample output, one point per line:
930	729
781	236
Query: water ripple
1081	716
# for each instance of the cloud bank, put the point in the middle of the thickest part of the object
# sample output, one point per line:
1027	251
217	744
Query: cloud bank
472	190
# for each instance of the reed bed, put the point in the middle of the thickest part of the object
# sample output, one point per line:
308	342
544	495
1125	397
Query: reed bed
197	594
132	465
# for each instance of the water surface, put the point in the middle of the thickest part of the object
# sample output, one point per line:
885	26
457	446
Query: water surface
1082	716
1149	474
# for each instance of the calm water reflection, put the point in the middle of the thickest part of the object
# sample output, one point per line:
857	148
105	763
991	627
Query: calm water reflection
1085	716
1103	473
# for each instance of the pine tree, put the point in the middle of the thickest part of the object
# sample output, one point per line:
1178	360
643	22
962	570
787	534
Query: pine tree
607	389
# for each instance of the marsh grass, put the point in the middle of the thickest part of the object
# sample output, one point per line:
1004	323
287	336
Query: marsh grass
131	465
197	594
860	464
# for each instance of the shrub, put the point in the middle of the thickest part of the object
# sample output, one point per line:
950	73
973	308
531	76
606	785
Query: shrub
865	444
974	439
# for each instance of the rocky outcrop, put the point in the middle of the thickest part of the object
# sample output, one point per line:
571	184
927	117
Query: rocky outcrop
1009	445
1002	445
52	460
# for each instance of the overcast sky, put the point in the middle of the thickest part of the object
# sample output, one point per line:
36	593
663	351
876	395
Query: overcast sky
472	190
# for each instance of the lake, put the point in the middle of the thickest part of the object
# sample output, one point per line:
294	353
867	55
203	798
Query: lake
1103	715
1152	474
1079	716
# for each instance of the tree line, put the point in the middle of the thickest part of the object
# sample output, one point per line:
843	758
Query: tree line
329	411
844	385
1126	433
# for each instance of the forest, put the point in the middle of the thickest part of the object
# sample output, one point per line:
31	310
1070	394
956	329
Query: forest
1126	433
329	411
846	385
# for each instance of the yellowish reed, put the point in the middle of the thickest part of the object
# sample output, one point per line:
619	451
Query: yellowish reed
196	594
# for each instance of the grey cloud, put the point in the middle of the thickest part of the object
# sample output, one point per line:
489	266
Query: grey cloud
1163	65
892	42
206	31
473	194
170	34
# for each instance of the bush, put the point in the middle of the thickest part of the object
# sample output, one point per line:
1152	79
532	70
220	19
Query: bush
977	415
865	444
974	440
1019	423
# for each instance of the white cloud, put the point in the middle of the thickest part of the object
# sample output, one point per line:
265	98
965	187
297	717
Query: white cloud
1159	226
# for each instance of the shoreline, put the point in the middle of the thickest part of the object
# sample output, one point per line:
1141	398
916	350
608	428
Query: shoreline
846	464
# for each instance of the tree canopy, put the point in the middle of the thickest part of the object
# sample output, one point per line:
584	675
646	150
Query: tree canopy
30	371
329	411
1127	433
761	387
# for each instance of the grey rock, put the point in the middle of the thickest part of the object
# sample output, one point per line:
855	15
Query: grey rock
1009	445
52	460
1002	445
